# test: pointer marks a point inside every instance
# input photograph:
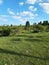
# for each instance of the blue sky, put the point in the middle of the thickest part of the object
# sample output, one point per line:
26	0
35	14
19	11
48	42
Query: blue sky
17	12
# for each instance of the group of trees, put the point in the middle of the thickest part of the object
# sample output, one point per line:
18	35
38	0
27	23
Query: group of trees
41	26
44	23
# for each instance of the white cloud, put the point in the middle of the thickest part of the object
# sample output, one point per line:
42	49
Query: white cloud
43	1
21	3
10	11
21	16
26	13
16	17
24	16
31	8
39	1
45	6
36	14
36	1
3	18
31	1
1	1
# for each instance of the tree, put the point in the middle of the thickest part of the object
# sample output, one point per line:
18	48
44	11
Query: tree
27	25
45	22
5	31
40	23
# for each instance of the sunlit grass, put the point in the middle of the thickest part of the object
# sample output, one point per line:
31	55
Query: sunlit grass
25	49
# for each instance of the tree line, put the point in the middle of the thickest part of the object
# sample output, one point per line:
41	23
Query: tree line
38	27
13	29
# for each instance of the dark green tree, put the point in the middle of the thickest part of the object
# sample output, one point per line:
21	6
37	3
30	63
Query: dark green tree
45	22
40	23
27	25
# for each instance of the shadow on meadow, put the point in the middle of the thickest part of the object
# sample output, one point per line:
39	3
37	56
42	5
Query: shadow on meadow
21	54
36	40
17	39
33	40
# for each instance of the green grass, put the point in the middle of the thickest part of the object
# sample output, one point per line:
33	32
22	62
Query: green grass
25	49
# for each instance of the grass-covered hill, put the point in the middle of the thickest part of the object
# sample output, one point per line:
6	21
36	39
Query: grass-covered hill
25	49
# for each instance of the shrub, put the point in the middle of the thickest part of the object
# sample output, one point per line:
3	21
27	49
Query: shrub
0	32
47	29
35	31
38	28
5	32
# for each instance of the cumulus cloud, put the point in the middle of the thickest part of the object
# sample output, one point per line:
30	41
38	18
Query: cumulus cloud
31	1
26	13
43	1
45	6
36	1
31	8
10	11
21	3
21	16
16	17
22	19
24	16
3	18
1	1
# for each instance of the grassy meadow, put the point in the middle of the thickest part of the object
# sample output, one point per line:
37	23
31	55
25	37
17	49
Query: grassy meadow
25	49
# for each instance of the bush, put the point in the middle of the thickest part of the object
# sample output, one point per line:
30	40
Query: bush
35	31
5	32
38	28
47	29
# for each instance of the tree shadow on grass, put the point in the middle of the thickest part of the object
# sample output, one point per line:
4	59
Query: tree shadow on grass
35	40
17	39
21	54
40	36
